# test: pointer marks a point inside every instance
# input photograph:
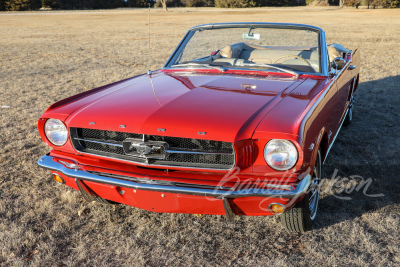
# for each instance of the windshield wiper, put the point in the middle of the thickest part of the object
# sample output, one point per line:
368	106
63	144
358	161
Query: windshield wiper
269	66
199	65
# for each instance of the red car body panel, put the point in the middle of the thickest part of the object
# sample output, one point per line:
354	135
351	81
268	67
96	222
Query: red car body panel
179	203
247	108
217	105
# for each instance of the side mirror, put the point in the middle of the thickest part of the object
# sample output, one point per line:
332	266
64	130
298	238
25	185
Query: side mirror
338	63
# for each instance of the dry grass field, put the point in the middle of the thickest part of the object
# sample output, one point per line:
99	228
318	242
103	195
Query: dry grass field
45	57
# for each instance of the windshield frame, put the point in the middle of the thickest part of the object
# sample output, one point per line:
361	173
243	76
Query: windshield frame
323	51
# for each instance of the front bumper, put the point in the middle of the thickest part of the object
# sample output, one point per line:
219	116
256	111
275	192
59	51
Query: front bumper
48	162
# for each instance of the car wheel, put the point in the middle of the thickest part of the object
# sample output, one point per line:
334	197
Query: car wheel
301	217
349	117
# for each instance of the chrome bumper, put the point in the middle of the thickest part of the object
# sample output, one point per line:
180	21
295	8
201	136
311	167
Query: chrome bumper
48	162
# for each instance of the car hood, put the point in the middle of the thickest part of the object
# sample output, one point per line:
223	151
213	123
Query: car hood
223	107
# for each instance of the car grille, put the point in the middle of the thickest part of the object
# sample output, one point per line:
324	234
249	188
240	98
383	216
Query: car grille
182	152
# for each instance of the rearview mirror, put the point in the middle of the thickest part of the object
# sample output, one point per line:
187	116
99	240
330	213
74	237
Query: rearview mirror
251	36
338	63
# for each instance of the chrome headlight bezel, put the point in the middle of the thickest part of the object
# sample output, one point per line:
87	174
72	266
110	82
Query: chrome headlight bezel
56	132
282	146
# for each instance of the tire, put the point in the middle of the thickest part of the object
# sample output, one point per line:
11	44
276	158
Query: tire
301	217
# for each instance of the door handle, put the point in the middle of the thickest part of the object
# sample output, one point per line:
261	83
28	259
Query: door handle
352	67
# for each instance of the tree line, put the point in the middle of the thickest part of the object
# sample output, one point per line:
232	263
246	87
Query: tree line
22	5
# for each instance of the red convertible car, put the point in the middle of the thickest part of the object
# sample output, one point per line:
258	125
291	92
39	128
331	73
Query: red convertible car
238	122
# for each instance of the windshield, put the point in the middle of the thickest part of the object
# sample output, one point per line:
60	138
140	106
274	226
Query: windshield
290	50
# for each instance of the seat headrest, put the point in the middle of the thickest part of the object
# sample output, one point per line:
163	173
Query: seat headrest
232	51
336	50
333	53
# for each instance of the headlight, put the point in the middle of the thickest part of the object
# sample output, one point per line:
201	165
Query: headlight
56	132
280	154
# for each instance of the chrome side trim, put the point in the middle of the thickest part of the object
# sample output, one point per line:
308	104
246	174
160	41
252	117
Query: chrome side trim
48	162
334	138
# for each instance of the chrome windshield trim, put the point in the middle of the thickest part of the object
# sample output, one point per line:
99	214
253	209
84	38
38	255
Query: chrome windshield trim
323	57
238	68
48	162
256	24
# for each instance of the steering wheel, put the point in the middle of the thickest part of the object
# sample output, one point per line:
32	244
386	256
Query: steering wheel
285	56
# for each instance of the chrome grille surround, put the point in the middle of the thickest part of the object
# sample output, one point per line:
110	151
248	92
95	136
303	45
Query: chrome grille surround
182	152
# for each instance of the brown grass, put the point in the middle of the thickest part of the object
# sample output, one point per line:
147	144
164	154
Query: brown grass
46	57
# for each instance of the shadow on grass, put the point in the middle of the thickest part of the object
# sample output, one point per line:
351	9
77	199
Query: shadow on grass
363	168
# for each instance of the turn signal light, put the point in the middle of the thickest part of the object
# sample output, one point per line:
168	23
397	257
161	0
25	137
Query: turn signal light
58	178
276	208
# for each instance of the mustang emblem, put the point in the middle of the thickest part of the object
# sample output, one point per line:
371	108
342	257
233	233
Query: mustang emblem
142	149
145	149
